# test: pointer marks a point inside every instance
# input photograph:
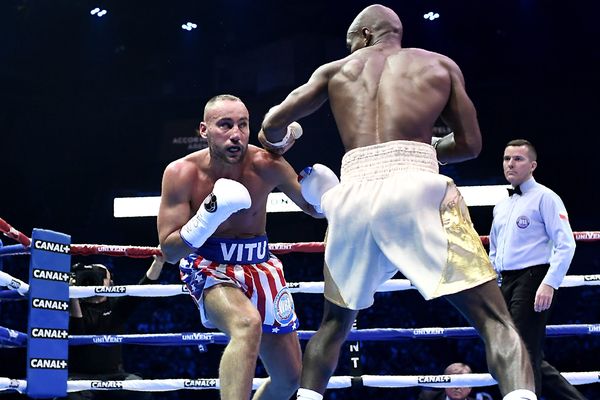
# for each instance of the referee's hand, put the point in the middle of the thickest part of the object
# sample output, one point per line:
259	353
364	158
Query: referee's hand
543	298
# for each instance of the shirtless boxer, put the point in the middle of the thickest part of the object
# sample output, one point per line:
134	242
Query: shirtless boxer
393	211
213	206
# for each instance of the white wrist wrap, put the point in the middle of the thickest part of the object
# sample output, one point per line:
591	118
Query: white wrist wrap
294	131
227	197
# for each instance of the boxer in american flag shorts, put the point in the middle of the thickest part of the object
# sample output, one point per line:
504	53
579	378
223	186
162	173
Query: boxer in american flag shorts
212	220
247	265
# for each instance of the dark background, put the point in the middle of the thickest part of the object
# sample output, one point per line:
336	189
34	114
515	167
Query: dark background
89	108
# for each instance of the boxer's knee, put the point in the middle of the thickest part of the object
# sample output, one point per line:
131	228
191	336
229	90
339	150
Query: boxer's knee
247	326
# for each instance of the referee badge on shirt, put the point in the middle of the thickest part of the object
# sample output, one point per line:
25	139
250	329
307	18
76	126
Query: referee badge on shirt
523	221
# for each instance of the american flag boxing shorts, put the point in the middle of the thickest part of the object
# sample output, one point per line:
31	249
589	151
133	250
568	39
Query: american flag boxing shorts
248	265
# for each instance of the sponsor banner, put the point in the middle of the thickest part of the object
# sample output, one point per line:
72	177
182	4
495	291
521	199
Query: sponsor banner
201	383
55	247
51	275
47	346
428	331
281	246
48	333
48	363
594	235
434	379
110	385
198	336
591	278
49	304
103	339
110	289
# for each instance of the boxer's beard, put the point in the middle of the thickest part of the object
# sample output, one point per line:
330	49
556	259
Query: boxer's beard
226	157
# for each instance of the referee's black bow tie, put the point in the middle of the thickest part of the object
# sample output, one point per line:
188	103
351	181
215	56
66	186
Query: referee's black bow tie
516	190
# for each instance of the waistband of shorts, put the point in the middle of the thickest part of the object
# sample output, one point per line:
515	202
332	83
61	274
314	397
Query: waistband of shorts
379	161
235	251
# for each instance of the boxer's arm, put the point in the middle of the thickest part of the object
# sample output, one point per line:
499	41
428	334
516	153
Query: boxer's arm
154	271
75	308
175	208
301	102
460	115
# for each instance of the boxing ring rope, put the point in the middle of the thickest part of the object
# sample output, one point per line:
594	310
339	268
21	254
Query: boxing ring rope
336	382
18	339
143	252
9	337
392	285
12	233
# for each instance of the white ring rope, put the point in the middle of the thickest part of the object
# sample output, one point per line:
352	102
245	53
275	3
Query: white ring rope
336	382
13	283
295	287
391	285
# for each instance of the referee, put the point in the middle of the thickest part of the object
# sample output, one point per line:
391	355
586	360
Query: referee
531	248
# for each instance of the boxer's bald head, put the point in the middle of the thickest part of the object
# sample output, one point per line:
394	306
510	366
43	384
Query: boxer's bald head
373	24
210	104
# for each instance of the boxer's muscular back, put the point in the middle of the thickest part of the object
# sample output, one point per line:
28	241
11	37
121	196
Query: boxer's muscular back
387	93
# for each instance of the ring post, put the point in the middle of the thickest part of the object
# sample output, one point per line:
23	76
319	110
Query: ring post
48	343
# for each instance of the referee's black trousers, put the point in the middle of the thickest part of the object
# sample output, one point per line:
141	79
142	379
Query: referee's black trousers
519	288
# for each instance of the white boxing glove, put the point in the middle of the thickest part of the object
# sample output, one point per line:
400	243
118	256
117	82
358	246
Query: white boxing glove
315	181
294	131
227	197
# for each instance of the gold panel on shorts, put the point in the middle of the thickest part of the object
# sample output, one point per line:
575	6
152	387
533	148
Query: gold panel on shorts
468	262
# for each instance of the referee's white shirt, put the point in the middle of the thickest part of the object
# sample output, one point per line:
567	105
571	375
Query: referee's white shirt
532	229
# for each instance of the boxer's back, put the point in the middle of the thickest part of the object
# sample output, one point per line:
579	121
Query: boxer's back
385	93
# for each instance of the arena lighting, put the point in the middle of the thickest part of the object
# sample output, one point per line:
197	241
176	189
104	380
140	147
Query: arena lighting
124	207
431	16
98	12
189	26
